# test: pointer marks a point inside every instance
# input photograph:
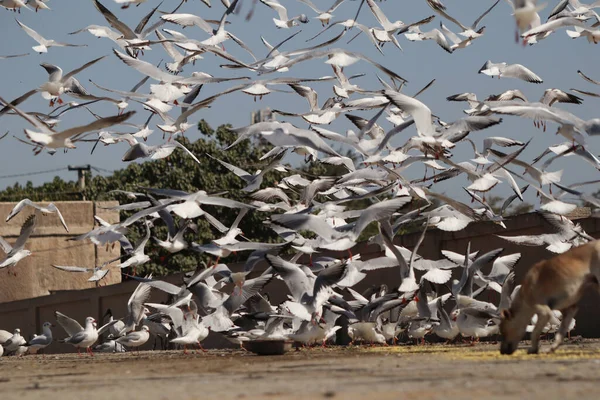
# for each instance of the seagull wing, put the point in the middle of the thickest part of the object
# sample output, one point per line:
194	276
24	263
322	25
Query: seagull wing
33	34
73	269
146	68
70	326
114	21
94	126
520	72
26	230
78	70
295	279
6	247
419	111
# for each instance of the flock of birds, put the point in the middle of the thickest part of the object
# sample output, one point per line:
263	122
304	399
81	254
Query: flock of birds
311	214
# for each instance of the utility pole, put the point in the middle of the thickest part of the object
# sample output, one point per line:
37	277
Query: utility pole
80	175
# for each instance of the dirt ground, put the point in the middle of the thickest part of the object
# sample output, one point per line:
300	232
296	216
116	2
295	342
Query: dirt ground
410	372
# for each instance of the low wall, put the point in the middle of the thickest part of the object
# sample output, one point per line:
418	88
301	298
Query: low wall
30	314
35	275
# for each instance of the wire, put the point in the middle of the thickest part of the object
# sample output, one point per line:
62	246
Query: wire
32	173
97	169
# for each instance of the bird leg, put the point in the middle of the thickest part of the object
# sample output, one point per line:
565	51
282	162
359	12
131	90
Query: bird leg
60	101
185	349
202	348
79	351
51	103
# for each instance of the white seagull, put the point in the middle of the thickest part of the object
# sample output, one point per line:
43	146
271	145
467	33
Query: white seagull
44	44
49	209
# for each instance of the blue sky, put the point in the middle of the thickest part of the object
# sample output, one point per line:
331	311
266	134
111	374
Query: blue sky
556	59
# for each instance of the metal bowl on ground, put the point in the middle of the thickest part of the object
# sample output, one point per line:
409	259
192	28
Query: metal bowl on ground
268	347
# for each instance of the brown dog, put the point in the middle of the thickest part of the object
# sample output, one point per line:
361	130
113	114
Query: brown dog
554	284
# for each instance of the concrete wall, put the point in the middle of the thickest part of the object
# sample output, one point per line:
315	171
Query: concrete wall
30	314
35	275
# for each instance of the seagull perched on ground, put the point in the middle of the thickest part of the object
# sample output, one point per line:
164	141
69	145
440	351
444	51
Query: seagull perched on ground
42	341
79	336
135	339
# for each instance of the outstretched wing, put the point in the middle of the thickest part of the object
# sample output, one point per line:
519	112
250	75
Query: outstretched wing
72	269
70	326
26	230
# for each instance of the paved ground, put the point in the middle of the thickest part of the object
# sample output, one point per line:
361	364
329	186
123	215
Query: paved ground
410	372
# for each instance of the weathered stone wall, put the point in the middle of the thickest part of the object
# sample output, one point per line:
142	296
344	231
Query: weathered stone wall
35	275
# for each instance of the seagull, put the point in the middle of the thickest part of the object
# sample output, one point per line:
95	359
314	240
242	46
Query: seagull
137	256
135	339
14	342
131	40
592	35
567	236
49	209
324	16
39	4
177	243
507	96
56	85
47	137
218	36
13	56
447	327
14	5
42	341
459	43
470	32
253	180
504	70
526	15
16	252
98	273
570	126
415	34
78	336
157	152
44	44
126	3
284	22
554	95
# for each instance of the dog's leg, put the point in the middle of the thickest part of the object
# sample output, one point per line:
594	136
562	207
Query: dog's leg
543	313
568	315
